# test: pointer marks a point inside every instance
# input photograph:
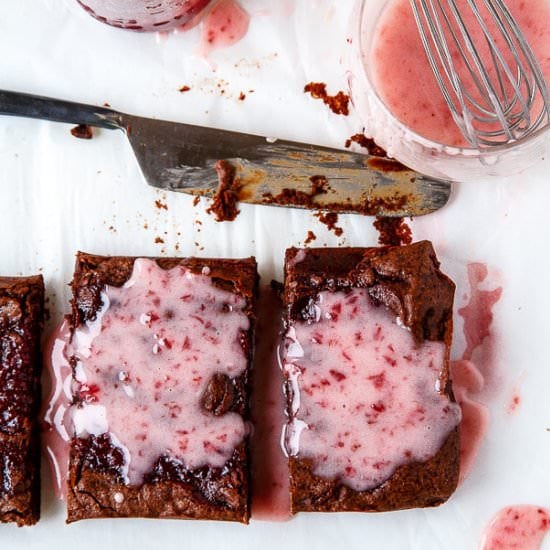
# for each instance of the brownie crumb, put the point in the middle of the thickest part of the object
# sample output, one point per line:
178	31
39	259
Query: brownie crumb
184	89
196	200
338	104
82	131
242	96
224	203
367	143
330	219
393	231
310	237
161	205
159	240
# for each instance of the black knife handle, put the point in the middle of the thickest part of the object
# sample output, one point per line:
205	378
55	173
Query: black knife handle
57	110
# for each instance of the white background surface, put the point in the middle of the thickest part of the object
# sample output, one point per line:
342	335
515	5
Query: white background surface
59	194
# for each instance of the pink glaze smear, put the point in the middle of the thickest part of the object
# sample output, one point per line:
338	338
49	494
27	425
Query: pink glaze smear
365	398
474	376
270	483
143	364
55	429
404	80
467	383
224	25
517	527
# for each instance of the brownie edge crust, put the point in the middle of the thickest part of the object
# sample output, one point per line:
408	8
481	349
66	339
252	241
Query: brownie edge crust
21	316
406	280
169	490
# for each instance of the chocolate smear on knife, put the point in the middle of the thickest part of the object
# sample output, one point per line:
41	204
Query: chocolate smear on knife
224	200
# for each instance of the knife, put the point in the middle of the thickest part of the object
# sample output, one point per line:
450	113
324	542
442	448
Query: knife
182	157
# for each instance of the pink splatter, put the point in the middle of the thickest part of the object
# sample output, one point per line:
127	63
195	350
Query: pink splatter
517	527
270	483
475	372
514	403
478	318
225	24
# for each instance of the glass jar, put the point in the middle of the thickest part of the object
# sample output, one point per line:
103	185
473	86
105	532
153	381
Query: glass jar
144	15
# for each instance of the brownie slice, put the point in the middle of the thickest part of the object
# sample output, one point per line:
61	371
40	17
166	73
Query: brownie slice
21	315
98	478
404	283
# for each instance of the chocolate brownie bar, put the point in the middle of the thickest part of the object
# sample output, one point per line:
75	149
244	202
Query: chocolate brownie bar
161	350
373	425
21	315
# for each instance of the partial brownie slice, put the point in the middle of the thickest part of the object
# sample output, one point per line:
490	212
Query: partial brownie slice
21	316
161	351
373	425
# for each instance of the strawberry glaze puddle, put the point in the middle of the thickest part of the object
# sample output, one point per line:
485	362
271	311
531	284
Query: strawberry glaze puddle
365	397
517	527
270	484
224	25
472	379
475	416
144	363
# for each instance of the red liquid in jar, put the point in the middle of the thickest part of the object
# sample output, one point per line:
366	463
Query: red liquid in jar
144	15
404	80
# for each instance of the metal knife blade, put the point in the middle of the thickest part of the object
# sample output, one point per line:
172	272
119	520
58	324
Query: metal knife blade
181	157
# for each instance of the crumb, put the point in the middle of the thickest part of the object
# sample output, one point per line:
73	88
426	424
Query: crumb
82	131
184	89
159	240
196	200
338	104
393	231
310	237
145	226
367	143
161	205
242	96
330	219
105	104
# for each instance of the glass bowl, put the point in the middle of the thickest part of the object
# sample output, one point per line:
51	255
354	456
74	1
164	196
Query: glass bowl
429	157
144	15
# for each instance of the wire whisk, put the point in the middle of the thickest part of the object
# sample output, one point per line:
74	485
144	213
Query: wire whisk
488	73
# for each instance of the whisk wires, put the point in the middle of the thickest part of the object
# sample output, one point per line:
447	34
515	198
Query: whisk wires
486	70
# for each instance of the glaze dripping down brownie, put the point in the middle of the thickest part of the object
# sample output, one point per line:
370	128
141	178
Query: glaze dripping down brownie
161	352
373	425
21	314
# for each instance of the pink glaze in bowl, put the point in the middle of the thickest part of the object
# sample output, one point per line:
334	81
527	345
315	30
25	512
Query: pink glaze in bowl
425	155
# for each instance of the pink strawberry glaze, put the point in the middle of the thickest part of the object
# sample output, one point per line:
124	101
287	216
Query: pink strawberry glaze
224	25
517	527
366	399
55	437
270	484
478	313
144	363
467	380
404	79
474	380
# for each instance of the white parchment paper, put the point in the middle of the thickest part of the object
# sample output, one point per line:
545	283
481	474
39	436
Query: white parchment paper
59	194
